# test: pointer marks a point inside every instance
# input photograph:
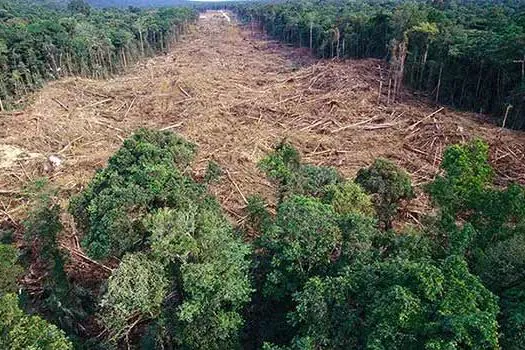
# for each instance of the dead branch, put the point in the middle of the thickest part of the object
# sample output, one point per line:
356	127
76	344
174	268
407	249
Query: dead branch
172	126
61	104
413	126
86	258
184	92
129	108
354	125
236	186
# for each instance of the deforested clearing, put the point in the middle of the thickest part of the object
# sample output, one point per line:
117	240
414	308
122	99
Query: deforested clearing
235	93
236	192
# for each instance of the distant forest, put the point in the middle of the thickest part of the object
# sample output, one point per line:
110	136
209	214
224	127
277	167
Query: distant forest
137	3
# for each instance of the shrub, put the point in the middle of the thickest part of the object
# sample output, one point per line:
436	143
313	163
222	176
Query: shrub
213	172
389	185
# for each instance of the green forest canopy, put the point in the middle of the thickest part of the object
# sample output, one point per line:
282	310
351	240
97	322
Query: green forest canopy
327	270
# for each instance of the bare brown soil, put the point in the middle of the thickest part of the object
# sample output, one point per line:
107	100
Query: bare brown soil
236	95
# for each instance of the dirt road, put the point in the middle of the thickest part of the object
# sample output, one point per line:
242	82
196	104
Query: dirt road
236	95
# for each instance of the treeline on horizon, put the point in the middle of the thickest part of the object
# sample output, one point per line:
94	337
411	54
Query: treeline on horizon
39	43
333	264
467	54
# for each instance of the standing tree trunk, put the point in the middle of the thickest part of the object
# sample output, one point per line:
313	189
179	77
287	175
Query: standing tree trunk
141	42
439	82
423	64
479	78
311	35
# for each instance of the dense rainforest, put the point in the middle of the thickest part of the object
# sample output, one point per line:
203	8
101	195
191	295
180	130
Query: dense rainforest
39	43
331	267
467	54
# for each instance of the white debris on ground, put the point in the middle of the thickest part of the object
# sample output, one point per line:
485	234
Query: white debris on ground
10	155
53	162
225	15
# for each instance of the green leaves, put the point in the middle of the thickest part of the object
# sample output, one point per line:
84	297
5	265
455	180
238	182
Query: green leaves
349	198
389	185
301	244
184	270
20	331
491	239
467	175
10	270
42	41
135	291
399	304
147	172
173	234
283	166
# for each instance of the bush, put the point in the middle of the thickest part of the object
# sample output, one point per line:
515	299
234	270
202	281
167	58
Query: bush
213	172
389	185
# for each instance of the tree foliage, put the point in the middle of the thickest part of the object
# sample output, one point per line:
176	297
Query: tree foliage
146	173
10	270
21	331
184	271
493	240
334	280
135	289
389	185
326	271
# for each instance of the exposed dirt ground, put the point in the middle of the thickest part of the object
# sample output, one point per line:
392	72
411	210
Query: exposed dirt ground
236	94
